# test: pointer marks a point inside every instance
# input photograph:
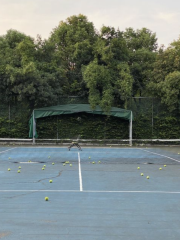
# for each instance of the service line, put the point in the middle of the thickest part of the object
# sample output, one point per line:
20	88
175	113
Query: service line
80	174
91	191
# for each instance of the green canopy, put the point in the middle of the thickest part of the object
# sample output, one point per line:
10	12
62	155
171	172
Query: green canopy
70	109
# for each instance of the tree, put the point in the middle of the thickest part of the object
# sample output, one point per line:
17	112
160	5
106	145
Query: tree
108	76
23	76
165	82
142	46
73	42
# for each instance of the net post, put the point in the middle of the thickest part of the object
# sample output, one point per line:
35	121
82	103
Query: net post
130	130
34	129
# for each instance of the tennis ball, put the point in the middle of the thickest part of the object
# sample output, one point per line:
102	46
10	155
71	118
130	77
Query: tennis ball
9	169
164	165
99	162
67	162
50	181
138	167
19	167
9	158
53	163
46	199
93	162
29	161
178	153
18	171
70	165
43	168
89	157
147	177
49	157
160	168
142	174
64	164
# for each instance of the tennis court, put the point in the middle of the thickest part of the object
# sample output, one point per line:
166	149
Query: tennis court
95	194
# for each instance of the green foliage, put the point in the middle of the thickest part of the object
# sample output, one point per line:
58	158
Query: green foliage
142	45
87	125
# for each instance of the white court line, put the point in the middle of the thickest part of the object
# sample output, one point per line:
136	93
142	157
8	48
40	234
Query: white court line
8	150
91	191
160	155
80	174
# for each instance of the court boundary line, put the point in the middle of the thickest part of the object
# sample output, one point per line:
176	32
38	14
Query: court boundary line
80	173
92	191
160	155
8	150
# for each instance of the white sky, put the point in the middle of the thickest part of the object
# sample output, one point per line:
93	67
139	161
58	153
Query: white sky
34	17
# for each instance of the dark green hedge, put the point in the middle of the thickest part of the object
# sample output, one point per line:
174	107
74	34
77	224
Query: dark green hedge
89	126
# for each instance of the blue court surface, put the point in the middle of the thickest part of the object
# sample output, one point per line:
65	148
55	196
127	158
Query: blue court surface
95	194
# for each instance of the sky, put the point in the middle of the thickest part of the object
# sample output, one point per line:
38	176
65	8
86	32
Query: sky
40	17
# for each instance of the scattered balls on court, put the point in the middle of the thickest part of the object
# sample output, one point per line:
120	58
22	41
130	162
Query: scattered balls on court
160	168
147	177
43	168
18	171
142	174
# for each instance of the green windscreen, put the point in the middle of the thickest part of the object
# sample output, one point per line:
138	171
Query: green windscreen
74	108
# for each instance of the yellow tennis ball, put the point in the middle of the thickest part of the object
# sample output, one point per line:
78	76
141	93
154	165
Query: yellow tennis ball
9	157
64	164
9	169
49	157
70	165
142	174
160	168
89	157
43	168
147	177
164	165
138	167
18	171
93	162
99	162
53	163
46	199
50	181
19	167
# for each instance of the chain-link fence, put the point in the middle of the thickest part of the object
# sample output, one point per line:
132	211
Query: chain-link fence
152	120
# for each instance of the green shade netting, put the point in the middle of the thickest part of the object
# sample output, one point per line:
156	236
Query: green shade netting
74	108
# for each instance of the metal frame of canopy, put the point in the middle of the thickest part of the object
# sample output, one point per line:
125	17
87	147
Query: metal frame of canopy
130	127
